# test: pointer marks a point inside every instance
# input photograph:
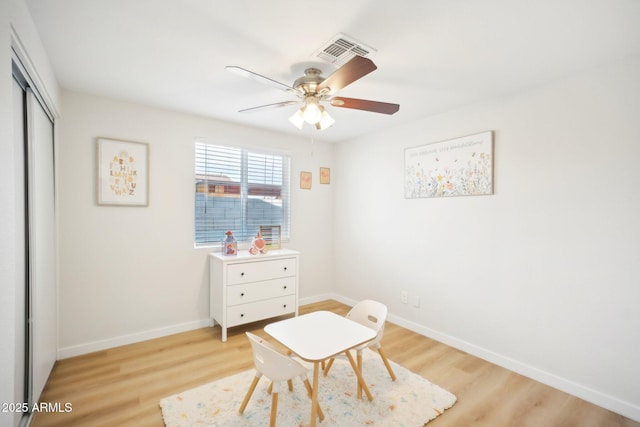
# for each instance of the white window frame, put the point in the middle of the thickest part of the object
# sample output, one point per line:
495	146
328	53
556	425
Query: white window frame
206	179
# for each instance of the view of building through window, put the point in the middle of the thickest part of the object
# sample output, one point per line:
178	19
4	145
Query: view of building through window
239	190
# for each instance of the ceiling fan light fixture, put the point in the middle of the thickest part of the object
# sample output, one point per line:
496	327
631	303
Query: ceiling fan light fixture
316	114
297	119
311	111
326	121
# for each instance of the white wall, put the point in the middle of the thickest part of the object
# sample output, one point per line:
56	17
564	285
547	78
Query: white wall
130	273
542	276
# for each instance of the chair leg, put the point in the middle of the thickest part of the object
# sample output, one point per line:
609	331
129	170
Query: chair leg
249	393
361	380
307	385
386	363
359	360
270	388
274	410
328	366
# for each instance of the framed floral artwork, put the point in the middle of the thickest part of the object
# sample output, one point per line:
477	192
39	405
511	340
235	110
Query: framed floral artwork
305	180
325	176
456	167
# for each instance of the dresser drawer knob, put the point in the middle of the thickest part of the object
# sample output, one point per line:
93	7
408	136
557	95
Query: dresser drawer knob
285	286
285	269
242	274
242	294
284	305
242	315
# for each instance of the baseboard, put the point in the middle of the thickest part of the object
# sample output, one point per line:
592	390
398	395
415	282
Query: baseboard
317	298
77	350
603	400
606	401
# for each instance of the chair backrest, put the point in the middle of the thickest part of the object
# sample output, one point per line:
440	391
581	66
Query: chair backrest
371	314
271	363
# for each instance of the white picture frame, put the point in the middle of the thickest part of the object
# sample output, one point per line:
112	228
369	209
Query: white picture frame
122	172
456	167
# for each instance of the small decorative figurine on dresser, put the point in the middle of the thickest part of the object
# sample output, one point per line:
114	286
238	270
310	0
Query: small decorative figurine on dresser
229	245
258	245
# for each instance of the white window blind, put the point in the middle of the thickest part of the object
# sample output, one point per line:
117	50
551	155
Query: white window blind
239	190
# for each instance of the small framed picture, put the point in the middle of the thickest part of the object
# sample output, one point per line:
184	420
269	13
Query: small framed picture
305	180
272	236
123	172
325	176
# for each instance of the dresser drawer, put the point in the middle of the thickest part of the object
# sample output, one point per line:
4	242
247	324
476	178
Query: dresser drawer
256	291
260	270
254	311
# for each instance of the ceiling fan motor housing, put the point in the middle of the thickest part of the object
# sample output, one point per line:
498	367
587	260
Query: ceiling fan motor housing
309	82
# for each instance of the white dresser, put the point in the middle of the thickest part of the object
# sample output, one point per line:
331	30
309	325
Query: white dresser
245	288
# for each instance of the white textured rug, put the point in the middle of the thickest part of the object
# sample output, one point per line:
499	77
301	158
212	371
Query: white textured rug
409	401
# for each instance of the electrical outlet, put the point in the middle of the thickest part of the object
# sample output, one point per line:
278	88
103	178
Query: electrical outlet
404	297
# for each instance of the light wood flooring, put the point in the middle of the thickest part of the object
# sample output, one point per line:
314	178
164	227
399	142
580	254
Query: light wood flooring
122	386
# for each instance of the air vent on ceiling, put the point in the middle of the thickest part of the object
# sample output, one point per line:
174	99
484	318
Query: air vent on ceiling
341	48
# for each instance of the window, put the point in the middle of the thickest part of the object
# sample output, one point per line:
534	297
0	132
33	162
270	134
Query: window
239	190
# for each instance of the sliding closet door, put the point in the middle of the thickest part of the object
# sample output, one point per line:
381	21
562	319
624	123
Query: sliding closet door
21	245
42	294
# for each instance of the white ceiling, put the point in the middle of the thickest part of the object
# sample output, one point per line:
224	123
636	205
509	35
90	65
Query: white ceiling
432	55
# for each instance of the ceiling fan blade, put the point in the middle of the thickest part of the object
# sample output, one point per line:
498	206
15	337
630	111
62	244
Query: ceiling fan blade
268	106
262	79
363	104
353	70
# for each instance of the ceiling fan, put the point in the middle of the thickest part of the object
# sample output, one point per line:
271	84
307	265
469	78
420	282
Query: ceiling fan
313	90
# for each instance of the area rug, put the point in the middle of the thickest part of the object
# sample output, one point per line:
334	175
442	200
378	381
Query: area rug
410	401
